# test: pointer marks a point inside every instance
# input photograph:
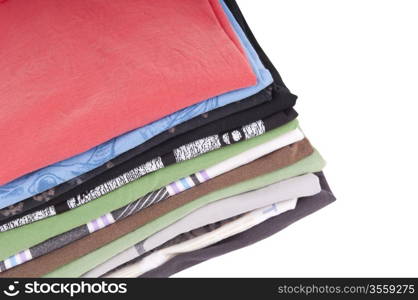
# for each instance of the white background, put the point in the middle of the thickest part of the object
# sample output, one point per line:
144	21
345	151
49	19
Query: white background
354	66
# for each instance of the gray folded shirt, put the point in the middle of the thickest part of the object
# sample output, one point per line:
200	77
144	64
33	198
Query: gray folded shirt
305	207
292	188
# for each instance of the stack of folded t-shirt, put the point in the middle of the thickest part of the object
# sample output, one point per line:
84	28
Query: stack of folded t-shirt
141	137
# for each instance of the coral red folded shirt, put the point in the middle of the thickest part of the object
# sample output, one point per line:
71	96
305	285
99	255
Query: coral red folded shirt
74	74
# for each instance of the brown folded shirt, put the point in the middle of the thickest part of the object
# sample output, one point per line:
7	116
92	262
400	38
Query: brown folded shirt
60	257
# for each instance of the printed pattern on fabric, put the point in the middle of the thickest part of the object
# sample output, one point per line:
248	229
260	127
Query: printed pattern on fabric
300	154
260	101
74	167
214	142
116	183
180	154
68	237
12	210
30	218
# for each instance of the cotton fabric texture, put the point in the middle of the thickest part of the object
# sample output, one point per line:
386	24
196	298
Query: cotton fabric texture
152	198
223	209
179	154
304	207
117	77
176	133
134	170
48	263
80	266
220	120
231	228
48	177
24	237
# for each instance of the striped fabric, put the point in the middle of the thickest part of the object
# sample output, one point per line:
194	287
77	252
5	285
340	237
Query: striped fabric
17	259
187	182
171	189
159	195
100	223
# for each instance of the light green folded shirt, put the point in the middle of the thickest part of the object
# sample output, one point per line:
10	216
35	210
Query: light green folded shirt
22	238
310	164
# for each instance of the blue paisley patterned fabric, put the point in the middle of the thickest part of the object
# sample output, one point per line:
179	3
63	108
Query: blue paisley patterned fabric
53	175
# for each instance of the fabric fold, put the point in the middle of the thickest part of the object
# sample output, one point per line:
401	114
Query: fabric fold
130	157
139	167
82	247
301	186
58	173
221	119
136	169
304	207
26	236
231	228
108	76
313	163
156	196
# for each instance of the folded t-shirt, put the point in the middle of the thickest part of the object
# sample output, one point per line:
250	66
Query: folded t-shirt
313	163
66	171
88	71
136	219
305	207
169	140
295	187
149	200
130	172
192	241
27	236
